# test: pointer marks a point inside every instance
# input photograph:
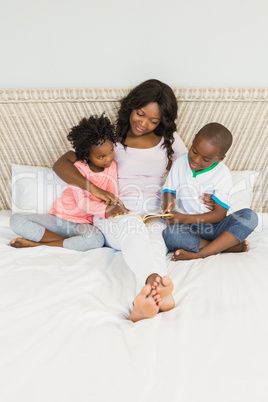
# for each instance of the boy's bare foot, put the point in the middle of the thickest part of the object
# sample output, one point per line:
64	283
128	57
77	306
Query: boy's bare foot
181	255
146	304
21	243
239	248
164	286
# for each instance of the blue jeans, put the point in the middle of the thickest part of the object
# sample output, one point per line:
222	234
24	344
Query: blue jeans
187	237
78	236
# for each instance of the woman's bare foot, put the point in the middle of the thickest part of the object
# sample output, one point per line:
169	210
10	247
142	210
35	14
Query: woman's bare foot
164	286
239	248
146	304
20	242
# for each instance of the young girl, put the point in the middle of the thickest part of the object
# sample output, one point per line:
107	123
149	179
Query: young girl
147	146
69	223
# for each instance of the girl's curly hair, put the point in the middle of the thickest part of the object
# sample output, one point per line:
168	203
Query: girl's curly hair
92	131
147	92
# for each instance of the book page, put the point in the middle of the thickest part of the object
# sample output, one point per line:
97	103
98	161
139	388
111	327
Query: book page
146	216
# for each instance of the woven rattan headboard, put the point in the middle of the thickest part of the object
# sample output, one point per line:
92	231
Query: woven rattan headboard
34	124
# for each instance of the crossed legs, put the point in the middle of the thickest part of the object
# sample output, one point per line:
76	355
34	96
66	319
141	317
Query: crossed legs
48	230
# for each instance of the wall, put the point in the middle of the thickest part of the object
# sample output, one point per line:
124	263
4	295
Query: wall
59	43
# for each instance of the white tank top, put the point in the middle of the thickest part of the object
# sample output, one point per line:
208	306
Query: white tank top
142	172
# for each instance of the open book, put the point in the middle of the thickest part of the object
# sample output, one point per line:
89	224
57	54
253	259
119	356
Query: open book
146	216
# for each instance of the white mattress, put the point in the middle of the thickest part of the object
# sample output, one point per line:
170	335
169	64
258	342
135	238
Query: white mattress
65	338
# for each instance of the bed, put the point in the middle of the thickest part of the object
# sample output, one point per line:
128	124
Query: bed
64	334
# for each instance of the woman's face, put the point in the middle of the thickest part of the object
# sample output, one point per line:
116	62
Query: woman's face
145	120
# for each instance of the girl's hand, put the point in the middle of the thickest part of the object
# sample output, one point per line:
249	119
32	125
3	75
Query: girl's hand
116	209
106	196
206	199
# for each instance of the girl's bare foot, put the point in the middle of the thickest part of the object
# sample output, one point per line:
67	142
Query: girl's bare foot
164	286
239	248
146	304
21	243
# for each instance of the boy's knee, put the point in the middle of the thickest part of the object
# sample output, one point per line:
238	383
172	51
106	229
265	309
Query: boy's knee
245	217
251	217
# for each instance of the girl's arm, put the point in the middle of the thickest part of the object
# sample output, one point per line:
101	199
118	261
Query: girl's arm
65	169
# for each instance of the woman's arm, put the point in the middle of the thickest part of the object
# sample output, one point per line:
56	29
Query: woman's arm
65	169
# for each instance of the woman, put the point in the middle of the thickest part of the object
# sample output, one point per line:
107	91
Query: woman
147	146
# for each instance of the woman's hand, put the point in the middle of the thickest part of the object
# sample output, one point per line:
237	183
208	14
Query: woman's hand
206	199
116	209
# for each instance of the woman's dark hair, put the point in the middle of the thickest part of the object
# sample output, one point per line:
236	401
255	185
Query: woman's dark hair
147	92
92	131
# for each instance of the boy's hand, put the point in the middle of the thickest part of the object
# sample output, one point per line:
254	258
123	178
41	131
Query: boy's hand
168	207
116	209
169	202
206	199
176	217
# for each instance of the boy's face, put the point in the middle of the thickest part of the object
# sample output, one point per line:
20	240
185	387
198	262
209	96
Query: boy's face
203	154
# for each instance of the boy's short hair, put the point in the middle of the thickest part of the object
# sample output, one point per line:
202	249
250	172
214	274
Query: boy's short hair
91	131
217	135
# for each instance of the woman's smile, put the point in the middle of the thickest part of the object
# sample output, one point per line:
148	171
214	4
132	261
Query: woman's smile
140	129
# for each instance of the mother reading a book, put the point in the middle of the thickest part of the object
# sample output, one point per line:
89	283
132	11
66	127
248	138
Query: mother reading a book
147	146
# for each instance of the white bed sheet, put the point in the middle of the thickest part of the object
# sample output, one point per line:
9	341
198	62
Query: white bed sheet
65	337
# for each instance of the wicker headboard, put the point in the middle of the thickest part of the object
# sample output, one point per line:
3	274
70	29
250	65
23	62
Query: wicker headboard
35	122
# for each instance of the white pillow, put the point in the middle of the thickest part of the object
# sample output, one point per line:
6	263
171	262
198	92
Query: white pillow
5	218
242	190
34	189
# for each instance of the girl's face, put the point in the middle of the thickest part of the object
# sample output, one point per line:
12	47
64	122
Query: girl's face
203	154
101	156
145	120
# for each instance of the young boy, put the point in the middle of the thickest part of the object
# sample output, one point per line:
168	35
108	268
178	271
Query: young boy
197	232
